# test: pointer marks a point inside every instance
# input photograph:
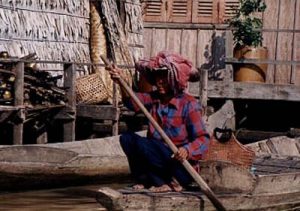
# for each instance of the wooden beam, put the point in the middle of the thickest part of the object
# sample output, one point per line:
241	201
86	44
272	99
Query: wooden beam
98	112
69	81
115	123
18	101
255	91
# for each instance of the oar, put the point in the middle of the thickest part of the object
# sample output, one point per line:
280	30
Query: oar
204	187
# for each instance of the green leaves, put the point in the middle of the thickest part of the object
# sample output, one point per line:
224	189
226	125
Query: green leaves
247	27
249	6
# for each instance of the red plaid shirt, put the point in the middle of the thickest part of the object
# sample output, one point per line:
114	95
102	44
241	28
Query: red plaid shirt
180	119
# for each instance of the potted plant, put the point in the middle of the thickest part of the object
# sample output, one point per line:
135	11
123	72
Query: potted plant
247	35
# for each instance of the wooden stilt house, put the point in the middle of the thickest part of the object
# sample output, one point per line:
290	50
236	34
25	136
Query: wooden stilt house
67	38
198	30
61	35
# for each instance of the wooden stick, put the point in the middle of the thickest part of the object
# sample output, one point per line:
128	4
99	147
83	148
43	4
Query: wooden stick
204	187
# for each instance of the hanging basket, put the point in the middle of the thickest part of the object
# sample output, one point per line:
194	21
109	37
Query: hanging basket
90	89
230	151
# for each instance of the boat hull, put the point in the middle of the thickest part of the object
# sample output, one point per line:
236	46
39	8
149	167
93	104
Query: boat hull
71	163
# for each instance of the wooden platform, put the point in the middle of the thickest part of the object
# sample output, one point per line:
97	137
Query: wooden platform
251	91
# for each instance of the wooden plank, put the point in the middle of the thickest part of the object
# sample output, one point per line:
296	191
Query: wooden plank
284	49
280	183
97	112
184	26
297	45
229	45
107	128
173	40
227	177
293	67
258	91
18	101
269	37
69	81
158	41
203	48
189	201
147	42
203	91
284	52
188	45
115	127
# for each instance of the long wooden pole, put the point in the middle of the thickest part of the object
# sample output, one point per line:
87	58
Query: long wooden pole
204	187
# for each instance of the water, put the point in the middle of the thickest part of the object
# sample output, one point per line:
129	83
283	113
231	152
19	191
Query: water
70	198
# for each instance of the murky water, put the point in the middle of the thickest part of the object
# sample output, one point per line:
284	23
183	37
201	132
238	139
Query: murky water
71	198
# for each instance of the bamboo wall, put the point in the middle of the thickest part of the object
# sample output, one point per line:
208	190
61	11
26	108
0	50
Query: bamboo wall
204	45
54	30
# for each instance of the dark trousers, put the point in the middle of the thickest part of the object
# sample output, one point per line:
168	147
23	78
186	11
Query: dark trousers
150	161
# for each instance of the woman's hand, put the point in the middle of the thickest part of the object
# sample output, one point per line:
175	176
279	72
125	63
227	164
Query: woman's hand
115	72
181	154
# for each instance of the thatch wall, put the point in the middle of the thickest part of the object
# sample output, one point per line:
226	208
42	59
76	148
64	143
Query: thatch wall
54	30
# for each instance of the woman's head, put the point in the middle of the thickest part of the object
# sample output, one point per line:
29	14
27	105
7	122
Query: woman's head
174	67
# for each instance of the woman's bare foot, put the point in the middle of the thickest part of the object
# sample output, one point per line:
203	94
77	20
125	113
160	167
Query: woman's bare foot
175	185
161	189
138	187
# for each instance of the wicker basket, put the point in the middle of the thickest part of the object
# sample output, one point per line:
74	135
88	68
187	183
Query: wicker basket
91	89
230	151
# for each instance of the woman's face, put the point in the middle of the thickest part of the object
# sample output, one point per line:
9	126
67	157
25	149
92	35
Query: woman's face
162	83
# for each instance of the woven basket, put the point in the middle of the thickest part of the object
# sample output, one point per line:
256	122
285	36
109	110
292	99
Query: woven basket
230	151
90	89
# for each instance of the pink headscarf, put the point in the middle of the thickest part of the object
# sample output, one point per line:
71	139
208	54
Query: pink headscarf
179	68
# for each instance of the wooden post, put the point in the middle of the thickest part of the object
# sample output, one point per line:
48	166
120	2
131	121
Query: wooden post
69	81
115	126
203	90
18	102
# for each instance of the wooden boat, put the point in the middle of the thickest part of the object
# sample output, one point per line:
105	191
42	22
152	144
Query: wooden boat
48	165
69	163
272	184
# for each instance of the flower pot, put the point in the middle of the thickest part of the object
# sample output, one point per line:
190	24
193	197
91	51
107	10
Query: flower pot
250	72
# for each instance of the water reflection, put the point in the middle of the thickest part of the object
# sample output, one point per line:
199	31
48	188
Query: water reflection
71	198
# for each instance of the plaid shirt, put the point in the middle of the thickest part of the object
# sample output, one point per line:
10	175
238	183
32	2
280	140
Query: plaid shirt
180	119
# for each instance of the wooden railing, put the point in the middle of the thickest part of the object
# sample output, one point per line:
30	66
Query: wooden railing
69	111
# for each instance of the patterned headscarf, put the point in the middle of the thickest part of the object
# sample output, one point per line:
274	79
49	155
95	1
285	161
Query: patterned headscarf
179	69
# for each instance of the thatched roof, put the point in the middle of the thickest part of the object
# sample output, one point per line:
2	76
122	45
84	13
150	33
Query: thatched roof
54	30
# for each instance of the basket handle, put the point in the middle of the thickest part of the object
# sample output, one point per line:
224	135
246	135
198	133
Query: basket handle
222	135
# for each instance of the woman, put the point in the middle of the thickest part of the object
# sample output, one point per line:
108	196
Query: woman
151	161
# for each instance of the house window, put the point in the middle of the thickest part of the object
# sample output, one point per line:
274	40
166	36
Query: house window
189	11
